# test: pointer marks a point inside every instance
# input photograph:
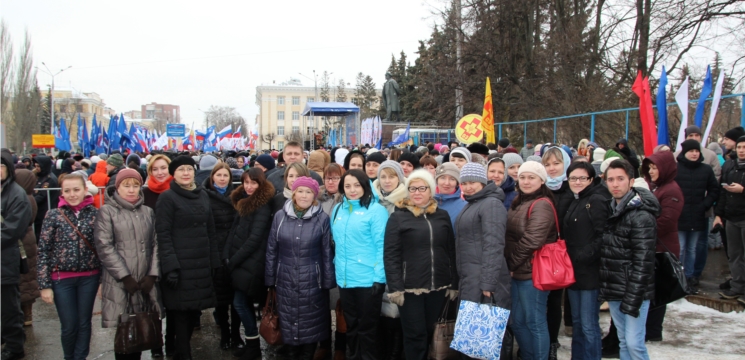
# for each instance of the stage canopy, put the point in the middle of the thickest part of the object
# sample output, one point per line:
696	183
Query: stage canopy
330	109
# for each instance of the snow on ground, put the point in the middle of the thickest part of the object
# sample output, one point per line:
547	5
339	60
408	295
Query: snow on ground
690	332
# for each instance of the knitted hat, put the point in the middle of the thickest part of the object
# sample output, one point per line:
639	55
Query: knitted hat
612	153
274	154
598	154
127	174
178	161
735	133
423	175
340	155
533	167
306	182
393	165
81	173
606	163
115	160
95	159
504	142
715	147
412	158
478	148
537	150
232	163
473	172
535	158
740	139
133	158
689	145
377	157
463	151
207	162
511	159
266	161
447	169
693	129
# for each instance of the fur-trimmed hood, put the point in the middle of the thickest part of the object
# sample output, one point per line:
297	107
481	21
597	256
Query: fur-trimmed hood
245	205
416	210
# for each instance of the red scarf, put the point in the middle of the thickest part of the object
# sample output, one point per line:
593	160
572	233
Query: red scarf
157	187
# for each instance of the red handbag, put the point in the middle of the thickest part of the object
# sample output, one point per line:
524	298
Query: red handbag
552	268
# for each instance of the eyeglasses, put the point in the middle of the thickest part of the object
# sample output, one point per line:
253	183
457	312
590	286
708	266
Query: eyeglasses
421	189
333	179
579	178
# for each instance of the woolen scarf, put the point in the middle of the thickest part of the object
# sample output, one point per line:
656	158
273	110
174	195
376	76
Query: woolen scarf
158	187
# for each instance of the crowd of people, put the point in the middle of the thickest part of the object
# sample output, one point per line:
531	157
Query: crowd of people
386	238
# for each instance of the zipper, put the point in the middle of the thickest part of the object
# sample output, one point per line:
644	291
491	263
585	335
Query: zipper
318	274
404	273
346	242
431	251
279	262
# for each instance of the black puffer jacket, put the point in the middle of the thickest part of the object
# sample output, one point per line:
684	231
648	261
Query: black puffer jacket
700	190
245	248
731	206
562	198
419	251
627	254
223	214
583	232
186	243
16	213
112	176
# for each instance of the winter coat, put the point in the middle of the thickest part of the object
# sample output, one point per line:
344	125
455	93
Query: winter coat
245	247
186	243
389	202
29	286
223	214
526	151
61	248
45	179
627	254
670	198
700	191
278	201
126	245
731	206
150	198
299	265
453	204
100	179
527	233
112	176
583	232
201	175
327	201
480	245
710	158
419	250
16	217
359	234
508	187
562	198
277	178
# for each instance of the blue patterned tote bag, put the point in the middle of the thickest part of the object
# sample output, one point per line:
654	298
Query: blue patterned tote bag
479	329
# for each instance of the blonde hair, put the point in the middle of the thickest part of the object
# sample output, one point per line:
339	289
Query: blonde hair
389	171
152	161
129	181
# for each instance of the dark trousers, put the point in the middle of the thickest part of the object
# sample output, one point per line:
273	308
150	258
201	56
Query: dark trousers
74	299
132	356
418	316
361	312
170	331
553	314
655	317
183	323
12	319
228	322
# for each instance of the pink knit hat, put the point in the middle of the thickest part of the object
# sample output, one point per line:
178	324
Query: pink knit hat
125	174
307	182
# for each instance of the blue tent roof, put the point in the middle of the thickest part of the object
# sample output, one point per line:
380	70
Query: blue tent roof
330	108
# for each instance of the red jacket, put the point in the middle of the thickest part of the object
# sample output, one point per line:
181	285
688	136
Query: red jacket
668	193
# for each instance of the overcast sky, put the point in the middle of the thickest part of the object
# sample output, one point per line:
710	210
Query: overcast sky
201	53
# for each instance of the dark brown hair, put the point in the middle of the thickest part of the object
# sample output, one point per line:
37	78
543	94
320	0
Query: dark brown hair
395	154
218	166
428	160
543	191
254	174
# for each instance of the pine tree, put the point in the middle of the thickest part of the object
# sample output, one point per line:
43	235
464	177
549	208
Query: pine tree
341	93
325	87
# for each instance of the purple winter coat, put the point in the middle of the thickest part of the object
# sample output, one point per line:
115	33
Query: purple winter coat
299	263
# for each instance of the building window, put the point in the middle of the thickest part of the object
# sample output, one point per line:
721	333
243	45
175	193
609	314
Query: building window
311	99
296	100
295	129
295	115
280	115
280	100
280	145
79	108
280	130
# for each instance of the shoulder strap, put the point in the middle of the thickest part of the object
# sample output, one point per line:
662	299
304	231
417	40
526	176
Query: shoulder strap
62	212
338	206
556	218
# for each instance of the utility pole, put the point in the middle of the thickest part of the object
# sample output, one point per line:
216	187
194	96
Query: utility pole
459	67
49	72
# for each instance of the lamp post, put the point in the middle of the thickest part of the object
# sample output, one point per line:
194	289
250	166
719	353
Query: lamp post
49	72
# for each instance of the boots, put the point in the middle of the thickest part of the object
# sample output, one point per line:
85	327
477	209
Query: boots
507	345
27	313
340	346
306	351
252	350
397	344
552	352
224	336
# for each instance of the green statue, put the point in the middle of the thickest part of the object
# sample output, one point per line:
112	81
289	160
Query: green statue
391	91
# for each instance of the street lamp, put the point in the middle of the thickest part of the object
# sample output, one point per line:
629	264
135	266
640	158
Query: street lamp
315	81
49	72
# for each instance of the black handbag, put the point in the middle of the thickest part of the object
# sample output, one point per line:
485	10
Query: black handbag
669	279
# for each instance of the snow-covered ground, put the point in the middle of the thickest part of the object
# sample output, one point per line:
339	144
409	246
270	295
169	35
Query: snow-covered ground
690	331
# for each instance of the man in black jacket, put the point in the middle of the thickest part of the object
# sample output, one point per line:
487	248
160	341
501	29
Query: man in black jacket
292	153
627	257
16	215
45	199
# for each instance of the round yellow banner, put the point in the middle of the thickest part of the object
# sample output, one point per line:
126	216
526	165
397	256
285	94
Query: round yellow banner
468	129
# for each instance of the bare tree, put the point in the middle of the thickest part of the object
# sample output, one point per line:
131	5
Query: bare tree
325	87
294	136
26	98
268	138
222	116
6	68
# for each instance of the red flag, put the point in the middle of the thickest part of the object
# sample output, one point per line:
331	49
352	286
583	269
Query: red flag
649	131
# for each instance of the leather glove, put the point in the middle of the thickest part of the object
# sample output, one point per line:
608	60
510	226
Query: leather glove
130	284
147	283
451	294
378	288
172	279
397	298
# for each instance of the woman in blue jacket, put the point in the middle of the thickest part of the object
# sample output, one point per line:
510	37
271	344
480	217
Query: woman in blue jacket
358	228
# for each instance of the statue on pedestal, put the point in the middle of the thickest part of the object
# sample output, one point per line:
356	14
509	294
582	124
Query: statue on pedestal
391	91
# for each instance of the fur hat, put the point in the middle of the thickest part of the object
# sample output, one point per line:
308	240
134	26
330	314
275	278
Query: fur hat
478	148
473	172
178	161
447	169
463	151
511	159
306	182
395	166
533	167
423	175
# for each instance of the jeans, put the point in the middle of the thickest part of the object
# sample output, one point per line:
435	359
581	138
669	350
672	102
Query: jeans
702	252
12	319
529	320
688	240
74	298
418	316
361	312
244	306
736	252
586	334
631	331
